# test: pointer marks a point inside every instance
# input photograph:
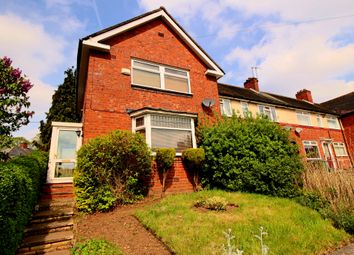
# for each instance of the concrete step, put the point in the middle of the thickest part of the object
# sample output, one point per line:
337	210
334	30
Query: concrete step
49	227
50	204
49	216
41	242
62	247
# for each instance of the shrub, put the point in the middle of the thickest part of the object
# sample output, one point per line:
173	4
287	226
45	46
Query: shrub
20	181
111	169
164	161
95	247
194	159
251	155
213	203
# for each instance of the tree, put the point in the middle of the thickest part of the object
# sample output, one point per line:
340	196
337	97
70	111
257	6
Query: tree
63	107
14	102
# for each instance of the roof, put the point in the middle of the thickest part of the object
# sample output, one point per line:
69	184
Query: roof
96	41
343	105
269	98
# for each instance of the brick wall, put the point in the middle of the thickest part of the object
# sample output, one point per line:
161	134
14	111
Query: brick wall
348	125
109	94
319	135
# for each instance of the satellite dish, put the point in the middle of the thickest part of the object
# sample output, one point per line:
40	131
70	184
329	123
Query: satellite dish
298	130
207	102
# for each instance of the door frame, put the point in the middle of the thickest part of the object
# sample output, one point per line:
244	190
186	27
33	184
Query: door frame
56	127
329	143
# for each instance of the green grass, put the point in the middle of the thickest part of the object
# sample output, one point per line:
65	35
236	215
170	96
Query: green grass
95	247
292	228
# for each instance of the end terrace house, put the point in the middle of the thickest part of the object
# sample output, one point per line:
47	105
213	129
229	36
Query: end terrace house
144	75
147	75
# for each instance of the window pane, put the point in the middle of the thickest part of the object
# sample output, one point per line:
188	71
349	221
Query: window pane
147	66
312	151
64	169
146	78
171	121
226	107
167	138
173	71
176	83
67	141
139	122
332	123
303	119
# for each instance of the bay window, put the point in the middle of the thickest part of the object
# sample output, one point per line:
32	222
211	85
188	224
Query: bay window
158	76
163	130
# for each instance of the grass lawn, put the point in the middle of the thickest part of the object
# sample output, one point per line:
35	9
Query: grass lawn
292	228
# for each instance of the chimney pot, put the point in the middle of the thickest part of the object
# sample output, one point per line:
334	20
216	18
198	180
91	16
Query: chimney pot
24	145
251	83
304	95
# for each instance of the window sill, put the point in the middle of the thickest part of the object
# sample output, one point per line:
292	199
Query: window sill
162	91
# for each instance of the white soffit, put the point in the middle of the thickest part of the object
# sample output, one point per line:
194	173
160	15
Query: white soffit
95	41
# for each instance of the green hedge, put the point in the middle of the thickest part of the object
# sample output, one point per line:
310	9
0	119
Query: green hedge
20	182
111	169
251	155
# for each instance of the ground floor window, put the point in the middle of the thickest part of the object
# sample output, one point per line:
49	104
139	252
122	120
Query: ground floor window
311	150
162	130
339	149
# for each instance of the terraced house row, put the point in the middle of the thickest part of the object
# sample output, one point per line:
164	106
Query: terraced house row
147	75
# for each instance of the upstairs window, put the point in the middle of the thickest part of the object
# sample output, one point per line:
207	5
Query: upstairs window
160	77
166	131
332	122
303	118
311	150
244	108
339	149
319	120
225	106
268	112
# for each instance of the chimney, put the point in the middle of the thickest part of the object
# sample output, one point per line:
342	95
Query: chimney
251	83
304	95
23	145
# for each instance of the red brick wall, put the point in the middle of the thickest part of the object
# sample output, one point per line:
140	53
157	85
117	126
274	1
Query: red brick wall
319	134
178	180
348	125
109	93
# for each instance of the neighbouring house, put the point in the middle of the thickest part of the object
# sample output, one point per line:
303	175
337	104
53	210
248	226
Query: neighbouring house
21	149
315	128
344	106
148	75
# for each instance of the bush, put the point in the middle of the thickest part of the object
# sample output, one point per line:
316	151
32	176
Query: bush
111	169
20	181
213	203
250	155
193	159
95	247
164	161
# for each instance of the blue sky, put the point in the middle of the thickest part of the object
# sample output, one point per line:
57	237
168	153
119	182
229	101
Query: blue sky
295	44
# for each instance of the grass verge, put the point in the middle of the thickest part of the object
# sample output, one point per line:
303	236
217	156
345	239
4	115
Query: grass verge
291	228
95	247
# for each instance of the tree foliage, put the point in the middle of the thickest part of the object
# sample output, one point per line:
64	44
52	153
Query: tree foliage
251	155
14	102
63	107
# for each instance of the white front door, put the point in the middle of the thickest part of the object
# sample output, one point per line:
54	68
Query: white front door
65	142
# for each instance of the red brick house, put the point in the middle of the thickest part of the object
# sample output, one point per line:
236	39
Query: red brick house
344	106
148	75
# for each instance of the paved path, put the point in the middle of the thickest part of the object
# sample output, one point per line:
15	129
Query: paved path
347	250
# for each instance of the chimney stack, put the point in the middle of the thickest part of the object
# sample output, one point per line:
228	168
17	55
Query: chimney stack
24	145
251	83
304	95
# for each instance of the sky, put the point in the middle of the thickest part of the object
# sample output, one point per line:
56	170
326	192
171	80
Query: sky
294	44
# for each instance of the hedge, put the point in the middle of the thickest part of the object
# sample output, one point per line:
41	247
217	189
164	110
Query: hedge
20	181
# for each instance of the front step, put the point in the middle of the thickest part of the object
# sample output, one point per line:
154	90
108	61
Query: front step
49	227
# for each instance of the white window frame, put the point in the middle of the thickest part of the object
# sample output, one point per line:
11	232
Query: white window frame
147	126
270	109
337	145
319	120
300	115
335	119
225	107
244	109
162	73
312	143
